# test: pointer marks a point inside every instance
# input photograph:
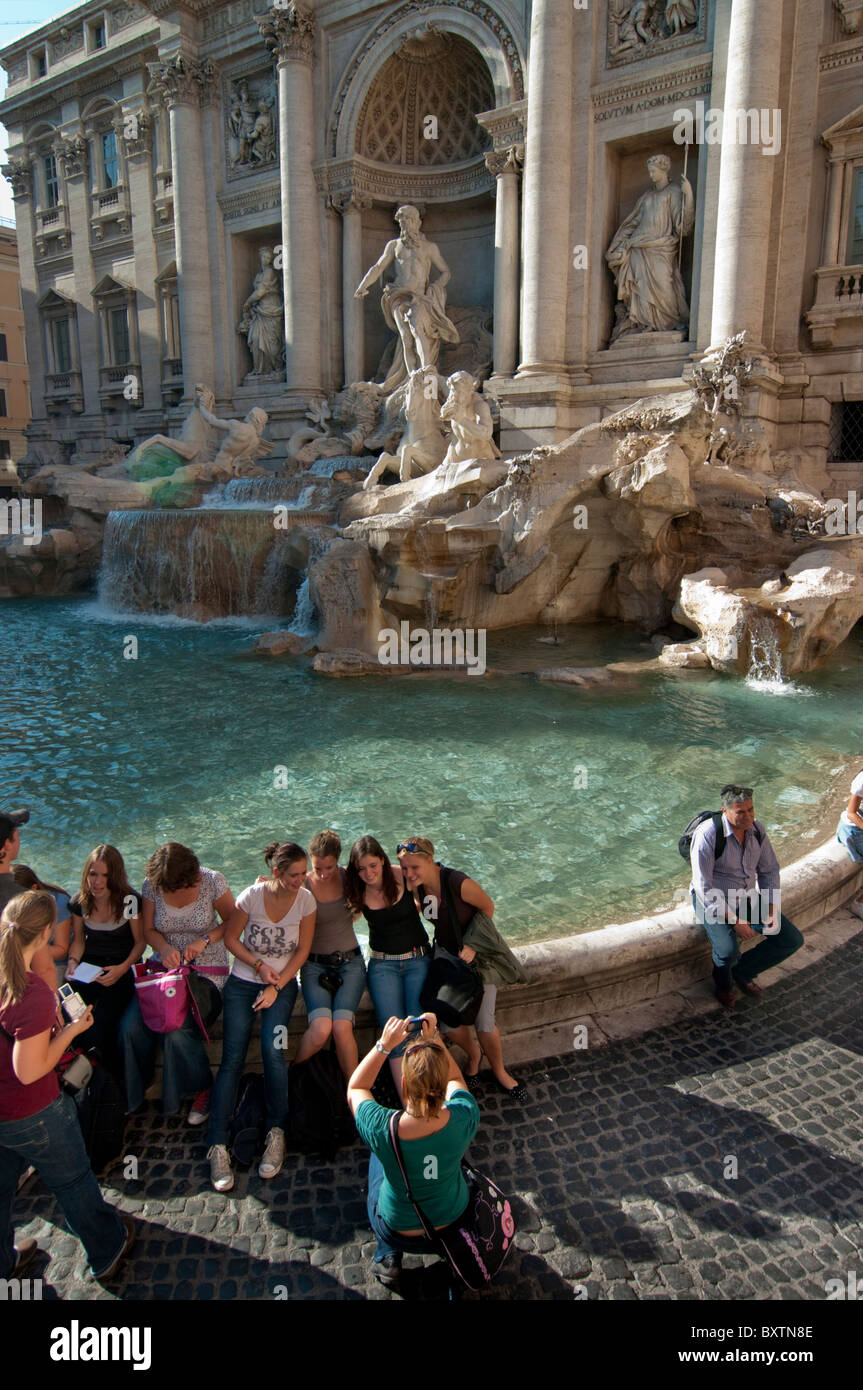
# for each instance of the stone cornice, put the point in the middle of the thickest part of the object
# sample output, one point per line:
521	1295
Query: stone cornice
506	125
289	33
99	71
250	200
360	178
841	57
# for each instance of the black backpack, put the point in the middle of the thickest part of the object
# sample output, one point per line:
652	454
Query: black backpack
248	1125
320	1118
684	844
101	1117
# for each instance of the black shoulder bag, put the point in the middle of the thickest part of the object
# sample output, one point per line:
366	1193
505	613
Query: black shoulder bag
477	1244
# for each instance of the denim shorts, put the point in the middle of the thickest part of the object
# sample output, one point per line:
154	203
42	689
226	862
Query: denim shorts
851	836
345	1002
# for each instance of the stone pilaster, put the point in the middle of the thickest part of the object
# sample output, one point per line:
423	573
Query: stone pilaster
289	33
506	164
134	133
85	352
184	84
833	221
746	174
547	180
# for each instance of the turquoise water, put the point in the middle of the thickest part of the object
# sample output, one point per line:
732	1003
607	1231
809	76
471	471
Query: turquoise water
565	804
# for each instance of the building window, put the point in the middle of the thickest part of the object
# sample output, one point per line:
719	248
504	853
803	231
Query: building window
97	35
118	336
52	183
2	402
109	160
5	449
4	352
855	231
38	64
846	433
60	350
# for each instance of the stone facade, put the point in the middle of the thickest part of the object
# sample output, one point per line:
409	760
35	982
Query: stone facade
158	146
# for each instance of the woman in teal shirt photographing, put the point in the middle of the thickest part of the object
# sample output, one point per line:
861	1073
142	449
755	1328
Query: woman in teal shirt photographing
438	1122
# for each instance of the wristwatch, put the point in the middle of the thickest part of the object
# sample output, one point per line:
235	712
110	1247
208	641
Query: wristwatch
379	1047
206	940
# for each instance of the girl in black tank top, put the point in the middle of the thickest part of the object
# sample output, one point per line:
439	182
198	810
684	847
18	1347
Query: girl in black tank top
399	949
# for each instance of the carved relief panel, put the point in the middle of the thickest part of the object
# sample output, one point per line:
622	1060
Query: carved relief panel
250	104
645	28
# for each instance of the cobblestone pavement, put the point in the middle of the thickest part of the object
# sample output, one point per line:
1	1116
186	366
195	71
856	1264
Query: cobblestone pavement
716	1159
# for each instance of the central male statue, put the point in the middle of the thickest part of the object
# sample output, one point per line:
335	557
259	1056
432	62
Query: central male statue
412	305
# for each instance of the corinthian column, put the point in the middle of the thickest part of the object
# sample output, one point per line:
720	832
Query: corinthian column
352	207
289	33
546	210
183	85
505	164
746	173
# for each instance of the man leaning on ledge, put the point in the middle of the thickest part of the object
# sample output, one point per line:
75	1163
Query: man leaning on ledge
735	894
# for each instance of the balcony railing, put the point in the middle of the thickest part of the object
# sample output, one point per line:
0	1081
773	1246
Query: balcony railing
838	306
110	205
63	391
52	230
121	384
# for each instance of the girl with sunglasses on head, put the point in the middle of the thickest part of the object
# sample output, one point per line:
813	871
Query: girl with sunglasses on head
333	977
399	950
438	1122
437	890
269	935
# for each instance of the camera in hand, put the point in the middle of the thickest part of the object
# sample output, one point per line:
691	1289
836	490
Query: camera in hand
415	1026
73	1005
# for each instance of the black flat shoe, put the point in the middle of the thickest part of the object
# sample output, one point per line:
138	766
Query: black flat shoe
518	1092
473	1083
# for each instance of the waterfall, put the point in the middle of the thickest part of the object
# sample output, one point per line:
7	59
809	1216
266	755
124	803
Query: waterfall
765	660
201	563
239	493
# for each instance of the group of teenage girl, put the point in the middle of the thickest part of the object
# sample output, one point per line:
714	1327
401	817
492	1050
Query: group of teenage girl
297	920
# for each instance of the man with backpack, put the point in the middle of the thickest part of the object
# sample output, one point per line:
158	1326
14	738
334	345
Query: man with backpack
735	893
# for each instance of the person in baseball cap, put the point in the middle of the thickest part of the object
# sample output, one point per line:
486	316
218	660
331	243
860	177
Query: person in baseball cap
10	844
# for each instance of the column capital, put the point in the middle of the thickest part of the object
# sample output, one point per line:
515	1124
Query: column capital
72	152
507	160
289	32
133	127
350	202
182	81
19	174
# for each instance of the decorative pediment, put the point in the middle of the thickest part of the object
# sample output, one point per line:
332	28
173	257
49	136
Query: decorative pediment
168	273
54	299
110	285
845	133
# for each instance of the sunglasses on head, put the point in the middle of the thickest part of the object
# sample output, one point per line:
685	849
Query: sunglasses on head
410	845
731	790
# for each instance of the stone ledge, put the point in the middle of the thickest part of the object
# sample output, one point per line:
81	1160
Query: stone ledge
628	978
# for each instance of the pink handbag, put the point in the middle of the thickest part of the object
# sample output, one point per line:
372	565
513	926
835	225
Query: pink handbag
163	997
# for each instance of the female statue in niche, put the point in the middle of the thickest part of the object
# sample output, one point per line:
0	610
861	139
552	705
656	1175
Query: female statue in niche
643	256
263	321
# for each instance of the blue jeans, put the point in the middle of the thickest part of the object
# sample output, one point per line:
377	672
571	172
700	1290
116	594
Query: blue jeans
238	998
389	1241
345	1002
185	1066
395	987
851	836
51	1140
726	950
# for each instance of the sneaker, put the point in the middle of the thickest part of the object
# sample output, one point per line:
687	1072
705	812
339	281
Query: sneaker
200	1110
856	908
273	1155
388	1271
220	1168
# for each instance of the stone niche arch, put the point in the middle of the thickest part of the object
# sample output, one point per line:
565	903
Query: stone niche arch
444	61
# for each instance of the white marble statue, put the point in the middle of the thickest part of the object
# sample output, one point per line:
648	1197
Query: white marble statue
160	454
644	256
412	303
422	445
263	321
243	444
469	419
680	14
